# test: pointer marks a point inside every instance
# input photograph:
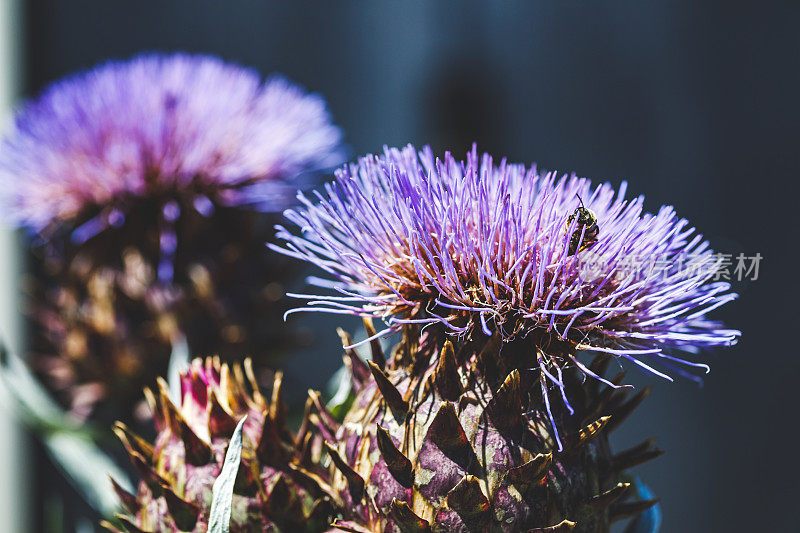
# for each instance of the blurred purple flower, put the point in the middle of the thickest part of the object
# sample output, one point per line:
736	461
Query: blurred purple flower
480	248
157	125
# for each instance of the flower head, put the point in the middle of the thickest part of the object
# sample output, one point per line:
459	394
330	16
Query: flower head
494	249
156	125
151	186
192	438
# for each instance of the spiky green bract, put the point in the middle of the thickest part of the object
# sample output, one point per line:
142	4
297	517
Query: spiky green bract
179	470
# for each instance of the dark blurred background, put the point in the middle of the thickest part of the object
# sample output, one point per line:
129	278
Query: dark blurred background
694	103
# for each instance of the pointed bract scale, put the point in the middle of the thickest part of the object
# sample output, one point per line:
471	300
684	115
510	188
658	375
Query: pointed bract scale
183	513
316	422
446	378
451	456
327	418
231	389
406	519
635	456
398	464
320	485
247	478
150	477
240	380
349	527
278	410
108	526
305	456
282	502
355	483
621	413
487	362
359	371
155	409
269	448
304	424
170	413
128	525
599	366
588	433
603	500
391	395
505	407
531	473
127	499
220	422
192	388
446	432
133	442
623	510
320	513
468	500
251	378
562	527
375	344
604	398
447	435
198	452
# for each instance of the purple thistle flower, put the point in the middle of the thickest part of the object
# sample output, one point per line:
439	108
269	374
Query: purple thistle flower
151	186
159	124
480	248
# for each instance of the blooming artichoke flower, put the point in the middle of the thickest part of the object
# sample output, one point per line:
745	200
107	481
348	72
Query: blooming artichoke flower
477	246
498	278
159	179
183	127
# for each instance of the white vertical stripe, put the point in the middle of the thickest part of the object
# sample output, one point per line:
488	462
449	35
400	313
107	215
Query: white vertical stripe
15	486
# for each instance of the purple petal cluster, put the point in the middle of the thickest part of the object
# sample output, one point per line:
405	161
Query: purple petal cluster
483	247
157	124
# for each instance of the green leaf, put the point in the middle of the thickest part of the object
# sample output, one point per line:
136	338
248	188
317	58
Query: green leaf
69	443
341	394
31	399
222	493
